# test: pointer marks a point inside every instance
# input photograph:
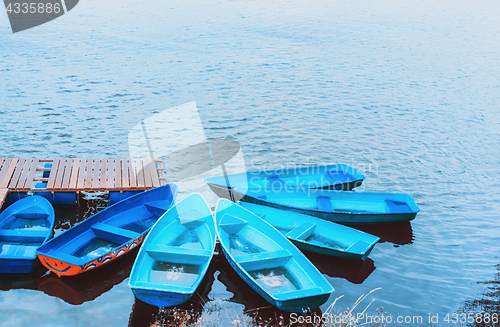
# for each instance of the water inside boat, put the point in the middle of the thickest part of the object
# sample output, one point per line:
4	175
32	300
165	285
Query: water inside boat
276	280
95	248
316	239
241	246
174	273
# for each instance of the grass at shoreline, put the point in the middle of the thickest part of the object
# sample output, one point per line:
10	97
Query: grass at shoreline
215	314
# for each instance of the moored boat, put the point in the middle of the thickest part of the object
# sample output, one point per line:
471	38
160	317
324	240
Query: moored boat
338	206
317	235
337	176
107	235
268	262
24	226
175	255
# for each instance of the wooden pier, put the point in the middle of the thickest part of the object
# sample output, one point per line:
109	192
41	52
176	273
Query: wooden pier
76	175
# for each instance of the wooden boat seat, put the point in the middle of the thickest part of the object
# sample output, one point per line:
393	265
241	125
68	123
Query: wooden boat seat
157	208
175	254
358	247
19	235
302	231
263	260
113	233
306	292
324	203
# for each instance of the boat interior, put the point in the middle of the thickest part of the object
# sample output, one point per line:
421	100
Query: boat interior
176	259
269	264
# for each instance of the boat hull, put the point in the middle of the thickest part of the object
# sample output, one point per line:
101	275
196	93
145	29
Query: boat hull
175	255
339	217
327	177
317	235
296	305
62	268
107	235
360	208
268	262
24	226
161	299
16	266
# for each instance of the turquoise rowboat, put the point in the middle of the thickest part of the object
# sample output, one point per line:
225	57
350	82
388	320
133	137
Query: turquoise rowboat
175	255
338	177
268	262
317	235
338	206
24	226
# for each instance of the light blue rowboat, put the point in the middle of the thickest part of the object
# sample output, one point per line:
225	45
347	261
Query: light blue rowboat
107	235
317	235
338	177
24	226
175	255
339	206
268	262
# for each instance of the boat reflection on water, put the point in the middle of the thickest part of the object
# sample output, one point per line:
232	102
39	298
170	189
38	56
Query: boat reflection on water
355	271
144	315
23	281
79	289
259	310
399	233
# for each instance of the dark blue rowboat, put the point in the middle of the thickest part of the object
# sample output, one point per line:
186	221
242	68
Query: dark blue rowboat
317	235
175	255
337	177
268	262
338	206
107	235
24	226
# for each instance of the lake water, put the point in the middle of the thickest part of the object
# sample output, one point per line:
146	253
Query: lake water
406	92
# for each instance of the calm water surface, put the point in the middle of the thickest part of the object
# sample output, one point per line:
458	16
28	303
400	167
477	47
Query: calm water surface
406	92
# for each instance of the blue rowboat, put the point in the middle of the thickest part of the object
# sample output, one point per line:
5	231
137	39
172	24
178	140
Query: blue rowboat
176	254
338	206
24	226
317	235
107	235
338	177
268	262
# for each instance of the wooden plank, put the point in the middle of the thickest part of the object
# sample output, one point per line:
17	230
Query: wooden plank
88	177
60	174
95	175
132	174
81	174
118	174
147	173
29	180
6	172
104	174
17	173
24	174
67	173
125	174
110	174
3	195
1	162
140	173
74	174
150	167
53	174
